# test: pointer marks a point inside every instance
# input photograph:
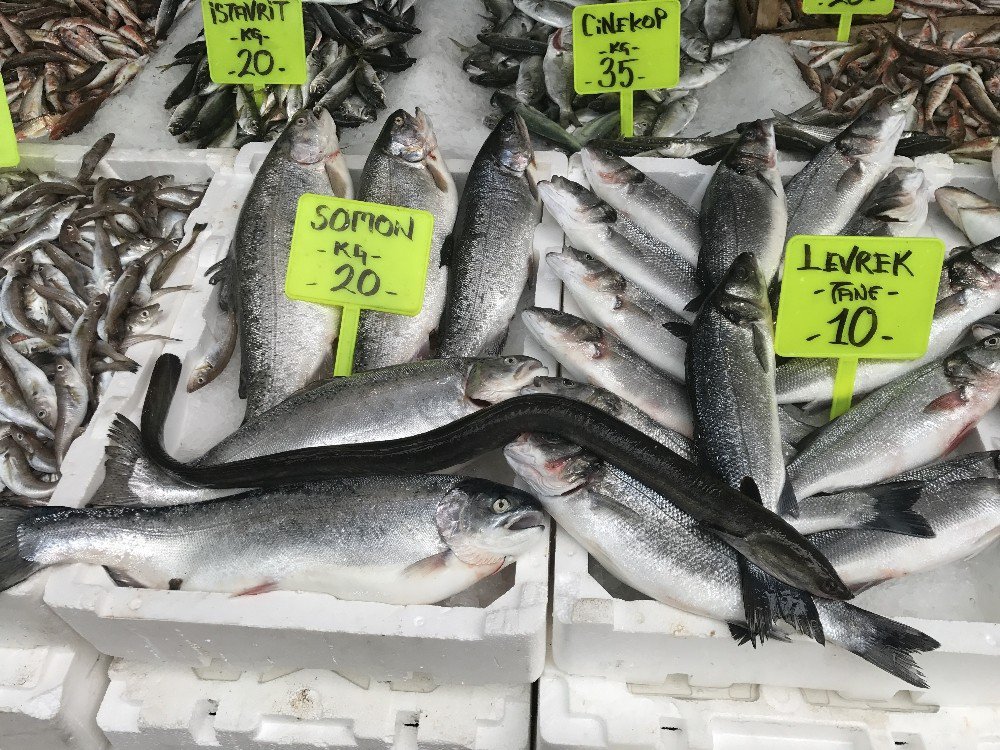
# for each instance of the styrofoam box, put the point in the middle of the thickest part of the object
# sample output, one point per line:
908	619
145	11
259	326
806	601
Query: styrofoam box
593	713
493	633
168	707
601	627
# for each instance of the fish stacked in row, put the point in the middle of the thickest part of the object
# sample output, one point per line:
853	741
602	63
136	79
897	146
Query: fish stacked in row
351	48
86	264
527	55
955	74
791	16
60	61
397	539
676	338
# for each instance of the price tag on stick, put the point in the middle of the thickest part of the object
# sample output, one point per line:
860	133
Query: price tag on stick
847	9
255	43
857	297
626	46
358	255
9	155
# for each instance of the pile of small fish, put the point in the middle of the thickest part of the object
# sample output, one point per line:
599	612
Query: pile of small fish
955	74
86	261
61	60
676	338
527	55
790	15
351	48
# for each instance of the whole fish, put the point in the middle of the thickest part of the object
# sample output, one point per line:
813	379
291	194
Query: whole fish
399	540
913	420
654	208
744	208
376	405
611	301
592	226
828	191
284	343
674	117
405	168
595	356
897	207
976	217
972	291
642	539
492	244
557	67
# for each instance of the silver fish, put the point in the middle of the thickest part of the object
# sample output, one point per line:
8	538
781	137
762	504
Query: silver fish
744	208
557	67
284	343
492	244
976	217
647	543
405	168
399	540
595	356
911	421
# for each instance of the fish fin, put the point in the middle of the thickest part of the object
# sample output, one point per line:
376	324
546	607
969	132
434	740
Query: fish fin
120	458
261	588
957	440
762	349
766	599
854	175
713	154
788	504
947	402
892	509
338	184
123	579
432	564
695	304
741	635
887	644
13	567
680	329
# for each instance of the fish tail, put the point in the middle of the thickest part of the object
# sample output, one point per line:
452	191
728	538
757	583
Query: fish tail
885	643
125	460
767	600
892	510
13	567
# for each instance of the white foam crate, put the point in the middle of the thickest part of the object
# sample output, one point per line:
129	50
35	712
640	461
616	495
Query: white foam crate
597	629
49	697
492	634
170	707
593	713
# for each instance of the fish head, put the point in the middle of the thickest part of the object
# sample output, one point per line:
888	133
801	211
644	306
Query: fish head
897	197
17	264
510	144
755	151
567	388
496	379
742	294
407	137
972	268
610	170
550	466
483	522
310	137
984	327
953	200
874	134
985	356
571	203
562	332
572	265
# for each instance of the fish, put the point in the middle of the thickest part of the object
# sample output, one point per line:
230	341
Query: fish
405	168
971	291
897	207
650	205
380	404
828	191
976	217
913	420
645	541
397	540
593	355
744	209
284	344
674	117
557	67
612	302
594	227
491	256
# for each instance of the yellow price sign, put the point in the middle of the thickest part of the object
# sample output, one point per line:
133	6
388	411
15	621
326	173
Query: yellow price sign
857	297
626	46
846	9
9	155
355	255
255	43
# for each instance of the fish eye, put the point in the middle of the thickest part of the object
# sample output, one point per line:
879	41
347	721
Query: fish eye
992	342
300	121
501	505
397	120
60	368
201	381
510	360
568	383
42	413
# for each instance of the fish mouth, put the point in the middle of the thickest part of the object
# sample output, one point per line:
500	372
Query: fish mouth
527	519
